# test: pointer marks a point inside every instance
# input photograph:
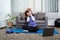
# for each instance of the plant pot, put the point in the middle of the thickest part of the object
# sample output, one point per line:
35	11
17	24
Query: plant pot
10	24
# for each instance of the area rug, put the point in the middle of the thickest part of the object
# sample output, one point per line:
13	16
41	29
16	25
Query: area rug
40	31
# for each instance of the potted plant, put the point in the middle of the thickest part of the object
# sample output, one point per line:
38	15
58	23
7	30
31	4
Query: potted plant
10	20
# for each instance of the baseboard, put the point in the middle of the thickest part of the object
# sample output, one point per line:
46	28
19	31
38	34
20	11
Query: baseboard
3	27
50	25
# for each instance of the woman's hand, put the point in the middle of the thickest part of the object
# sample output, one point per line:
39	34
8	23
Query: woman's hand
29	14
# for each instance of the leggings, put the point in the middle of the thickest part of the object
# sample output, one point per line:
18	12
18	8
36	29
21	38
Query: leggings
30	28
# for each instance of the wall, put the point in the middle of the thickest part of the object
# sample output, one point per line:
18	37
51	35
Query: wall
19	6
32	5
38	5
59	10
5	8
51	18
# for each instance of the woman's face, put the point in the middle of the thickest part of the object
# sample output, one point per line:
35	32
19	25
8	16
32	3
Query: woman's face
29	13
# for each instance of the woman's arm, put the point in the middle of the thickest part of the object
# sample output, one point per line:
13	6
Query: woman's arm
33	18
28	19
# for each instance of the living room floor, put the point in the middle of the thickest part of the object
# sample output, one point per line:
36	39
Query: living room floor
22	36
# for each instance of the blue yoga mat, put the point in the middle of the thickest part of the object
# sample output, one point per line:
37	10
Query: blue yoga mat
40	31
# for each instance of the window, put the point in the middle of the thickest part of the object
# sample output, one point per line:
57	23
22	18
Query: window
51	5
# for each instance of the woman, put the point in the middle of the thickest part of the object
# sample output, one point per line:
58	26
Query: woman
30	23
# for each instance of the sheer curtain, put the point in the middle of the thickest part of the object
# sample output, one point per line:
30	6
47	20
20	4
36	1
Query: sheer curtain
51	5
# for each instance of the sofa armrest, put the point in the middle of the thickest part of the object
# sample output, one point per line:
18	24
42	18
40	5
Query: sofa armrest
46	21
46	18
17	21
16	18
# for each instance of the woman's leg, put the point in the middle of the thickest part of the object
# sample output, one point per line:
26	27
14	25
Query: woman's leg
33	29
25	27
30	29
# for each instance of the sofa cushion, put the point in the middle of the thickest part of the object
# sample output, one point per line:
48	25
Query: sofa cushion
21	21
22	16
40	15
40	21
35	14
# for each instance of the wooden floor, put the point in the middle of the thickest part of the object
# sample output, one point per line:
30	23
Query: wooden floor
22	36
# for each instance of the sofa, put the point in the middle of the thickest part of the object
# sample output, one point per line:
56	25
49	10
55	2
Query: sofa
41	19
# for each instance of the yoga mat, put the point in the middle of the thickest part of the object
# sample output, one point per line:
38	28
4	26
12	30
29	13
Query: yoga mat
40	31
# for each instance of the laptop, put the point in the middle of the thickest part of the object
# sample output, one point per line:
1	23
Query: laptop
48	31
